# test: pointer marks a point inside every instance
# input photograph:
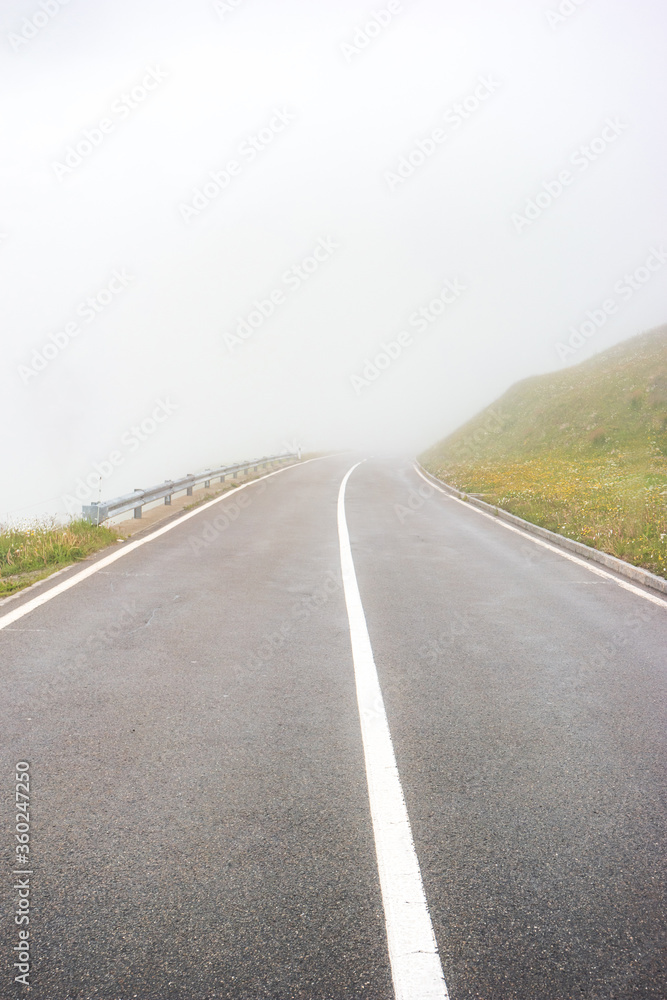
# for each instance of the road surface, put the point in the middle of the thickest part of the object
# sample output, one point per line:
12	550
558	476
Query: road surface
200	821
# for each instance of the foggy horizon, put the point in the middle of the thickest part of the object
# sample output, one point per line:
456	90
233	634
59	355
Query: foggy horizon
346	228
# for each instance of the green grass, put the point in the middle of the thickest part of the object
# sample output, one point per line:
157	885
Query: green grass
31	554
582	451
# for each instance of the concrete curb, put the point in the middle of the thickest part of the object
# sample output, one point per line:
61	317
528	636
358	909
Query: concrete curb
634	573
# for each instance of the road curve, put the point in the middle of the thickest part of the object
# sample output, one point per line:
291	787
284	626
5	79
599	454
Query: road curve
200	818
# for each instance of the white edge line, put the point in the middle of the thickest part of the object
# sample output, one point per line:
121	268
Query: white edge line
72	581
547	545
413	952
37	583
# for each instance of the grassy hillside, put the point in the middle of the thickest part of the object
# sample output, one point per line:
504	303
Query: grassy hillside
582	451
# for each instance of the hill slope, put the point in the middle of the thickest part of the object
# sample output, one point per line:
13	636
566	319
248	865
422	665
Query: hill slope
582	451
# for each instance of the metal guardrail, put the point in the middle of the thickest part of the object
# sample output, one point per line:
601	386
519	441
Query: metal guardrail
98	512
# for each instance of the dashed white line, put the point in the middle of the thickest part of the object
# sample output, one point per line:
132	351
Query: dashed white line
413	952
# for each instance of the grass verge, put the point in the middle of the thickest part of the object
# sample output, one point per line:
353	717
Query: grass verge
617	506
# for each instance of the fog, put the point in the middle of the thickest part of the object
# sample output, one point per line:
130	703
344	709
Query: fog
230	227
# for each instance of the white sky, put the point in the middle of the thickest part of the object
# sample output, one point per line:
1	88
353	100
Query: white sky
324	177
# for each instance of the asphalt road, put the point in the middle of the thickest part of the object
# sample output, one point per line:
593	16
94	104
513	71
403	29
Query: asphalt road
200	820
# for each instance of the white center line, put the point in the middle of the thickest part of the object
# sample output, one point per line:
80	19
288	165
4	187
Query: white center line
413	951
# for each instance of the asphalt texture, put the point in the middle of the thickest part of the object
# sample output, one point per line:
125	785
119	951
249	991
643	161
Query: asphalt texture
200	825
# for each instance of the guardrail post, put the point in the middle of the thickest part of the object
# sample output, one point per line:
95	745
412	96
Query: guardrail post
137	512
167	500
95	513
